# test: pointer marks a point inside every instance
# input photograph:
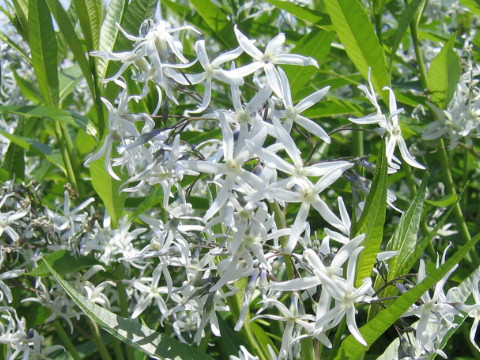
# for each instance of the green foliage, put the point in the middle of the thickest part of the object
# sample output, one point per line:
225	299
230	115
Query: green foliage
372	220
356	33
138	336
352	349
444	75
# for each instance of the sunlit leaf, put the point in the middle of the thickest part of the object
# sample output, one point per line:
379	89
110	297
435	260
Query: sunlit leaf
372	221
356	33
444	74
64	116
64	263
43	45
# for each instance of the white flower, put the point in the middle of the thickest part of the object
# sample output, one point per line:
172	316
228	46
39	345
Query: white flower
389	127
268	59
212	71
9	218
292	113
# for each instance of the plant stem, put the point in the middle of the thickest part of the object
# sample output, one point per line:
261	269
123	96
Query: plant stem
97	339
65	155
457	210
282	224
66	340
418	54
123	303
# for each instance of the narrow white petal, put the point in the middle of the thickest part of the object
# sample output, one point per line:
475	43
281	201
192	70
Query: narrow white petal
409	159
303	283
313	128
294	59
247	45
312	99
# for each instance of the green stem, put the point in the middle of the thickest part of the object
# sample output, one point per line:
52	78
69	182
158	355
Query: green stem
97	339
123	303
117	349
282	224
457	210
418	54
338	338
235	304
65	155
66	340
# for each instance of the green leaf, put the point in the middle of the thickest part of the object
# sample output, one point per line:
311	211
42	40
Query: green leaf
404	239
14	161
64	116
21	12
461	295
372	220
138	336
108	189
11	43
352	349
64	263
52	155
445	201
473	5
68	79
109	33
316	18
137	11
356	33
444	75
43	46
66	28
403	24
216	20
28	89
89	15
315	44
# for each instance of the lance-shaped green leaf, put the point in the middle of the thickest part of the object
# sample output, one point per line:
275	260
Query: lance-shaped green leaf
108	189
460	296
52	155
15	46
109	32
216	20
64	116
67	29
404	239
316	18
352	349
134	334
444	75
14	160
89	15
403	24
372	220
21	13
356	33
43	45
137	11
64	263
